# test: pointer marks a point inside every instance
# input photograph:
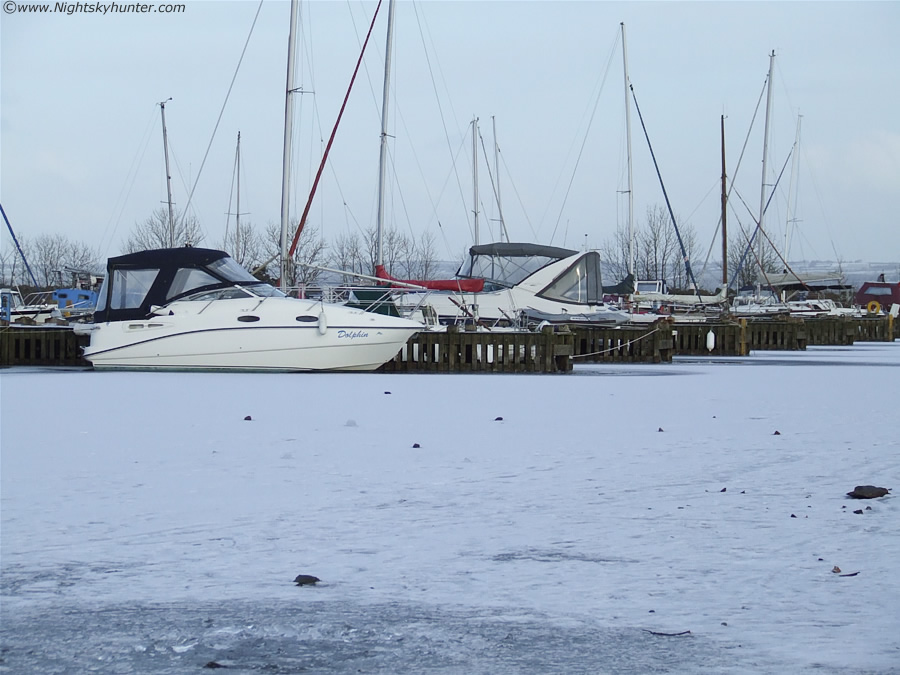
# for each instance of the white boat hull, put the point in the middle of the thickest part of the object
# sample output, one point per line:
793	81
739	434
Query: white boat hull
246	335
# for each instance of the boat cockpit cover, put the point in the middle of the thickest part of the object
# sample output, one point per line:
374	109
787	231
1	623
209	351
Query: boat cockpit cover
579	284
137	281
506	265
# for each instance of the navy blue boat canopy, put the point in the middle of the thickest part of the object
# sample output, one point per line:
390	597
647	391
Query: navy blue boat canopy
136	282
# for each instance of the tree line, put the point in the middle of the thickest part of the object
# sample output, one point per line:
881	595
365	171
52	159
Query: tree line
657	252
51	257
658	256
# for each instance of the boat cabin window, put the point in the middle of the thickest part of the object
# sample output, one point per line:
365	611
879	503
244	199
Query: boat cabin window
130	287
101	296
651	287
504	270
579	284
188	278
11	299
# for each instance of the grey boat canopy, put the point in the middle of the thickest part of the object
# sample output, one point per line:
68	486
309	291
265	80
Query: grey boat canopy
504	265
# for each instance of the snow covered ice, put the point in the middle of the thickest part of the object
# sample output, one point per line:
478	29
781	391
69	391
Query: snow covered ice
147	527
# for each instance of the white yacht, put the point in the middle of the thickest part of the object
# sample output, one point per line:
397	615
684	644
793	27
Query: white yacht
526	282
197	309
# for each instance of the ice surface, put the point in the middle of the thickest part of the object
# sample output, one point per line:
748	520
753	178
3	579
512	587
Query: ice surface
147	527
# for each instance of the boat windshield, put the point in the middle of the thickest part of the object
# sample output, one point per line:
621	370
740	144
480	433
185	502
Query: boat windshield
188	279
259	289
229	269
504	270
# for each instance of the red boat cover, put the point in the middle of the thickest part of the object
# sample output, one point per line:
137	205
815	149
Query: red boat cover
461	285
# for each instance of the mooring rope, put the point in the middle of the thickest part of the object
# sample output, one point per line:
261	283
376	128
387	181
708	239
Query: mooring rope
612	349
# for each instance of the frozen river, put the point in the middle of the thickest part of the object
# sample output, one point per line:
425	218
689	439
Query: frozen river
545	523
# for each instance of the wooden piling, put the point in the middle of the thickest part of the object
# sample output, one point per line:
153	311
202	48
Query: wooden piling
41	346
469	351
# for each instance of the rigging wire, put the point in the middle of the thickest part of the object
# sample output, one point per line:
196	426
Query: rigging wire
431	72
737	169
222	111
127	186
584	139
687	262
331	138
494	187
519	199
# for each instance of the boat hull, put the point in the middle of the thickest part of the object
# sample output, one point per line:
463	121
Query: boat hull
221	338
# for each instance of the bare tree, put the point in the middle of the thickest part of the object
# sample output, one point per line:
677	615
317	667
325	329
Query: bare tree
404	257
677	274
309	254
422	264
8	264
347	254
747	261
657	253
394	252
52	256
154	232
245	245
614	253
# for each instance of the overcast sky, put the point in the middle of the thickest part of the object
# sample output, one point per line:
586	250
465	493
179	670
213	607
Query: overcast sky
82	150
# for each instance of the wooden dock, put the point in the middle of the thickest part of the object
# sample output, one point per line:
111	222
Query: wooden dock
555	349
41	346
500	351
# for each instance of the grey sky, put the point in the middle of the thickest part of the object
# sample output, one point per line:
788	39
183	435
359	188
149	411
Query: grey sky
81	144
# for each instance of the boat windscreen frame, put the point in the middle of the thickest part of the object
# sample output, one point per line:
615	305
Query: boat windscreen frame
509	264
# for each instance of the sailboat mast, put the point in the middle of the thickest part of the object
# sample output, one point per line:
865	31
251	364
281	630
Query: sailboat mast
497	179
795	169
237	215
286	154
724	212
762	196
382	155
628	152
162	110
475	175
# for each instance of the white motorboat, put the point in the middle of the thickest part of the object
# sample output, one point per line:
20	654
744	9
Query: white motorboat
197	309
526	281
33	309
